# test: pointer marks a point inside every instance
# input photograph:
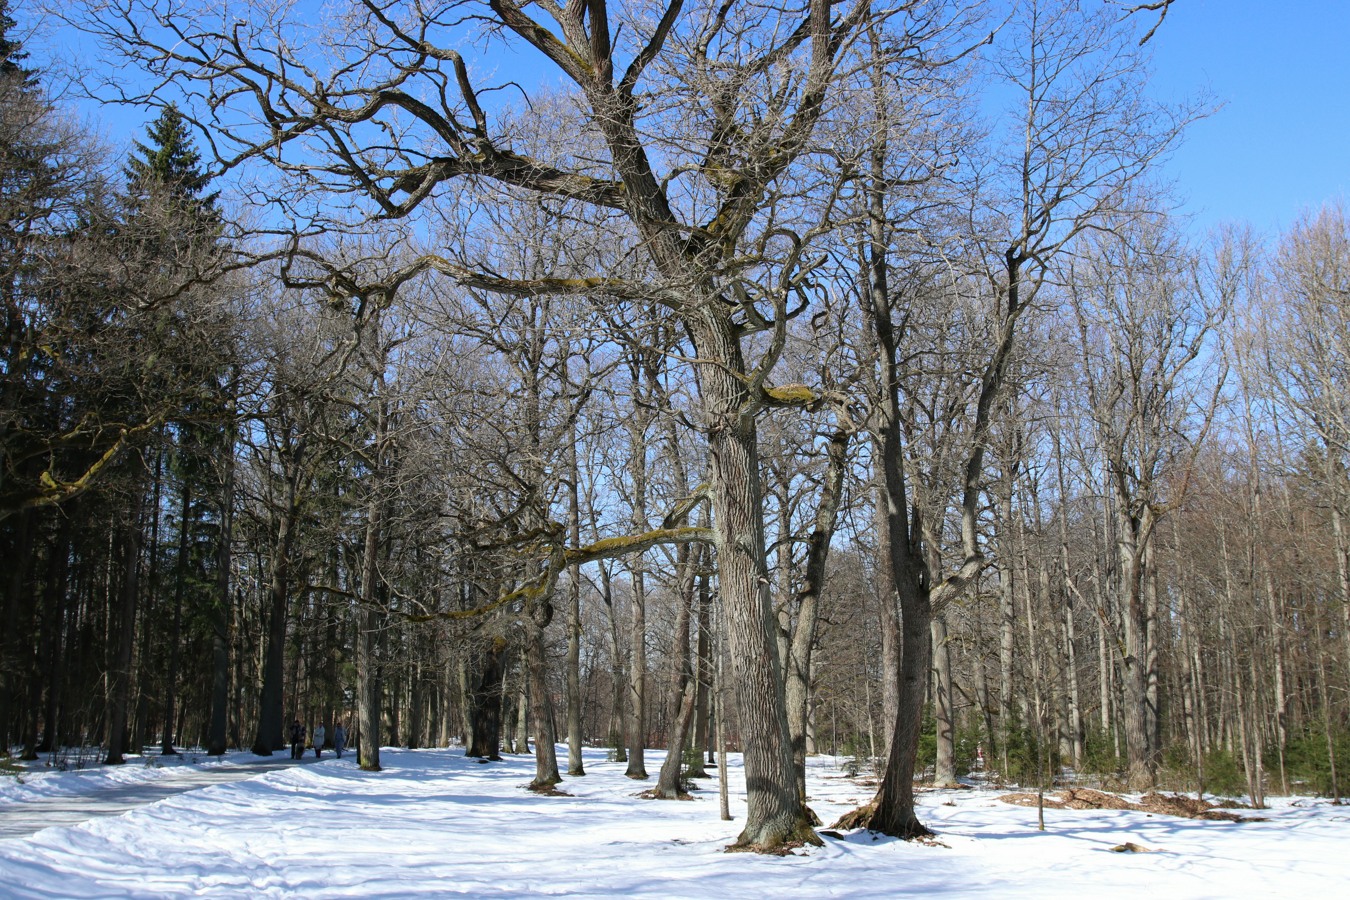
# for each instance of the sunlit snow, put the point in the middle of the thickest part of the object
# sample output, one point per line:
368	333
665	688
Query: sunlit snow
436	824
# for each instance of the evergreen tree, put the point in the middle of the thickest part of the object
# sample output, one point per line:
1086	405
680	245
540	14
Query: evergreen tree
12	53
176	225
171	166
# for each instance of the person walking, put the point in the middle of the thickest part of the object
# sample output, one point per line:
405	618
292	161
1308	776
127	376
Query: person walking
297	739
319	735
339	739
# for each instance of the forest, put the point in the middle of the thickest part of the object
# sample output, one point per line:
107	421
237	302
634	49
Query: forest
824	376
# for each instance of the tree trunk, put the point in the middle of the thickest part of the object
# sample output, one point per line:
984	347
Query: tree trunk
807	601
55	651
895	812
575	737
541	705
217	741
944	769
618	708
703	671
1141	773
176	634
775	815
637	677
270	735
683	683
119	674
369	624
486	715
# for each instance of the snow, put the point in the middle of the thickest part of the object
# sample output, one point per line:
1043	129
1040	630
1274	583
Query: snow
435	824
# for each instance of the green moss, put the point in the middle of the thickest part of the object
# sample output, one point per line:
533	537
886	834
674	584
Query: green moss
792	394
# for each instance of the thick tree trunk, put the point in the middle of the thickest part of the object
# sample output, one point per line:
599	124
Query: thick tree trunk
895	810
369	623
53	670
1141	773
271	714
486	714
774	812
522	726
889	598
541	706
270	734
1072	693
15	623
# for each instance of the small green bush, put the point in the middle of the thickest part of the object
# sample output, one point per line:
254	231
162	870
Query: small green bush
1306	763
1224	773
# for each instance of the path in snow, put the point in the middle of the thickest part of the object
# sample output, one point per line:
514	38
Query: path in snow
27	817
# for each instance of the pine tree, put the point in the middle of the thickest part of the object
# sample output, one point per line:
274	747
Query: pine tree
177	226
170	166
11	52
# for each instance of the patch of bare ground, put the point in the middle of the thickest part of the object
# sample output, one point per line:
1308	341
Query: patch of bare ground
546	790
1152	802
653	794
787	848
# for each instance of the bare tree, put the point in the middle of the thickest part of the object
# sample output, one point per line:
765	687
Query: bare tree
743	86
1144	318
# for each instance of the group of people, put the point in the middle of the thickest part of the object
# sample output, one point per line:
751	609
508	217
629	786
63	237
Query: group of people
320	735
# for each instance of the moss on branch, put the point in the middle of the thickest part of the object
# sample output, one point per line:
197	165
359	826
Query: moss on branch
791	395
608	548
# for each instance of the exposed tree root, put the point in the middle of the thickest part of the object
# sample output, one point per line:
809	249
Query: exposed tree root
866	817
802	835
858	818
654	794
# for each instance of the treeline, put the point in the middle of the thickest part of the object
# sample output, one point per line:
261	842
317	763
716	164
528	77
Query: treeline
769	374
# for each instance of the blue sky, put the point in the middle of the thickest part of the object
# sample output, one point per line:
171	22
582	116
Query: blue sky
1281	143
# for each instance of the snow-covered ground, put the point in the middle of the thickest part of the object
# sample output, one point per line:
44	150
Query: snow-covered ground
434	824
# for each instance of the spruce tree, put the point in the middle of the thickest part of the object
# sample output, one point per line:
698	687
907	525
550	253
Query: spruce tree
12	53
176	225
170	167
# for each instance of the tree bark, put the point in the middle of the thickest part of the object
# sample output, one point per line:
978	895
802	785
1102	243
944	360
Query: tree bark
541	705
683	682
176	633
221	605
486	712
119	674
575	737
369	624
271	710
807	601
944	769
775	814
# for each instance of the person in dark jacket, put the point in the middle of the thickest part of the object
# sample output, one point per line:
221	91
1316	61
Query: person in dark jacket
339	739
297	740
